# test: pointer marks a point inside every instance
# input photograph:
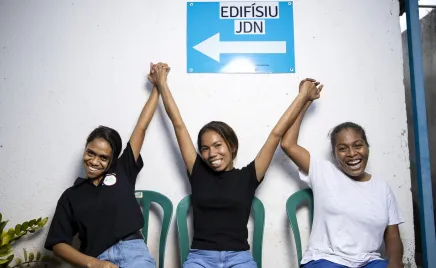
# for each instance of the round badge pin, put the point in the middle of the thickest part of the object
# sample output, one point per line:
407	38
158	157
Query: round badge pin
110	180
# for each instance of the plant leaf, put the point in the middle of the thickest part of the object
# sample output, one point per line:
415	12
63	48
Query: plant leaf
43	222
38	256
11	233
18	261
32	222
5	262
5	239
24	225
25	254
5	254
1	216
18	229
5	248
2	225
31	256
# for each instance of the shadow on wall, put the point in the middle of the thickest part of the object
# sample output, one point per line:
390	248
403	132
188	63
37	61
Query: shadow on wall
428	35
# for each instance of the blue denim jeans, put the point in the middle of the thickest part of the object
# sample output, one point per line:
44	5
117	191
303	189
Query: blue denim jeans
329	264
219	259
129	254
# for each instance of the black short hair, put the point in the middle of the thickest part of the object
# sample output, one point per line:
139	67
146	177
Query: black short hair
111	136
225	131
336	130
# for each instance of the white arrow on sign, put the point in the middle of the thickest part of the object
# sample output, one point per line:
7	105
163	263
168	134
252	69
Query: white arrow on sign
213	47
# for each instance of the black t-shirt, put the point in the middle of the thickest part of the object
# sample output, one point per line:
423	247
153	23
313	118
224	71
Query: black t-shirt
221	203
103	214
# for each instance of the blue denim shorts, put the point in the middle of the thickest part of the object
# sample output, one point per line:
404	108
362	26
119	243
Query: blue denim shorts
223	259
129	254
328	264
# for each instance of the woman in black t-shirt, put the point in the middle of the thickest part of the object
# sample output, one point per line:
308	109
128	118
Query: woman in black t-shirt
101	208
222	194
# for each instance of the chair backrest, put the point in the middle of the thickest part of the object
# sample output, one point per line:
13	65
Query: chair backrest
145	198
291	209
182	228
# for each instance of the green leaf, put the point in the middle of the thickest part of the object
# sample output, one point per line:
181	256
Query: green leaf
18	261
10	258
11	233
5	248
38	256
2	226
1	216
43	221
25	254
31	256
5	262
32	222
38	220
5	239
24	225
18	229
5	254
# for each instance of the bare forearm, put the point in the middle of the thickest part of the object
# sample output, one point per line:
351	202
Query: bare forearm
394	250
291	136
171	106
290	115
394	246
148	110
138	134
73	256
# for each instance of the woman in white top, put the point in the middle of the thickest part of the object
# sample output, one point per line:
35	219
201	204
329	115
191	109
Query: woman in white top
354	211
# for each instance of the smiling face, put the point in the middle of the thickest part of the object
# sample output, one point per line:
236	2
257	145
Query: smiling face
215	151
351	153
97	158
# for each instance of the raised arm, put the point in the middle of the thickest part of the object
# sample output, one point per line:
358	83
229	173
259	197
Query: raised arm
299	155
309	90
138	134
159	75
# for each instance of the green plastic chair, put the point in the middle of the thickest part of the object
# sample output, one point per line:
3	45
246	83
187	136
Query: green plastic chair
182	228
144	200
291	209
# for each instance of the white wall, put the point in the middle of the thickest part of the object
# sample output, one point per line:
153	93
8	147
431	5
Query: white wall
69	66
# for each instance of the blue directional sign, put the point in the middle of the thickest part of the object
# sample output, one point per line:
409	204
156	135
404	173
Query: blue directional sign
240	37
